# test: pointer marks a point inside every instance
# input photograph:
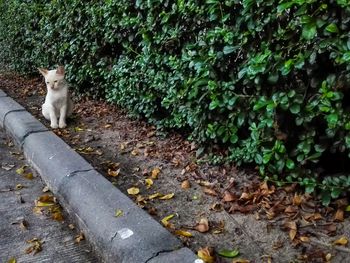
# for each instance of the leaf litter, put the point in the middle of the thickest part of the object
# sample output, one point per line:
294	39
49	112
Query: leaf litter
214	190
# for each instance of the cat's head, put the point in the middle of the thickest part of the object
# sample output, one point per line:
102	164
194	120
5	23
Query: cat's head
53	78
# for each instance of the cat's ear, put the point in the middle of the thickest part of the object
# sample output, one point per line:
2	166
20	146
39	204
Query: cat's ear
43	71
60	70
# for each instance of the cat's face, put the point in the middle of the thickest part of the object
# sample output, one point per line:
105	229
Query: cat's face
53	77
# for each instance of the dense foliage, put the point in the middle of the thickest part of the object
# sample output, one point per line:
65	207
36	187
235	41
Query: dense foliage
266	79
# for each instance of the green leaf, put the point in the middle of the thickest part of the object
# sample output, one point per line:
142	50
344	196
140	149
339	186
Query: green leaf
309	31
229	49
229	253
295	108
332	28
290	164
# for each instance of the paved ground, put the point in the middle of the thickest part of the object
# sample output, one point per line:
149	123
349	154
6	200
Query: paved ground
21	220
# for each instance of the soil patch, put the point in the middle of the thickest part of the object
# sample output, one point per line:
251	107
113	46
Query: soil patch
220	206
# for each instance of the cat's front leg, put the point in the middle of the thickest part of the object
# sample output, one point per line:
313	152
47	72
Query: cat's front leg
53	118
63	114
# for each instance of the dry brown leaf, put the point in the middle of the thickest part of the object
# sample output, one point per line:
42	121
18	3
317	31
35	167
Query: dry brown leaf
217	207
133	191
71	226
35	246
291	209
297	199
113	173
135	152
245	196
240	260
206	254
167	197
185	184
341	241
292	234
339	215
57	216
79	237
202	226
210	191
229	197
183	233
155	172
305	239
46	198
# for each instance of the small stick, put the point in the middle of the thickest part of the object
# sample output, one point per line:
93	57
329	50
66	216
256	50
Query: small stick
342	249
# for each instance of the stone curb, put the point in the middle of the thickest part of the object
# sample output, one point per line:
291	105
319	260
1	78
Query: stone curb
89	197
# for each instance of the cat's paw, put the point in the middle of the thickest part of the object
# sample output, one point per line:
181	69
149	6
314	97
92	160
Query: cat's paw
54	126
62	125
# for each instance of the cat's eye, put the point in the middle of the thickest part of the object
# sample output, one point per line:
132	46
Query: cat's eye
55	81
47	82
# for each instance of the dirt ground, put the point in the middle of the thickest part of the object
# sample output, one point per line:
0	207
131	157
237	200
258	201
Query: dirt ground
221	207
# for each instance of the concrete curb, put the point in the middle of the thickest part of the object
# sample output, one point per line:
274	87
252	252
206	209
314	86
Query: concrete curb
89	197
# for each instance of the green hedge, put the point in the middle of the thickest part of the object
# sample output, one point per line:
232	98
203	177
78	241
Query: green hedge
268	80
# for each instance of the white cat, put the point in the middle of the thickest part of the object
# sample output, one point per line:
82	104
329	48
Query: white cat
57	103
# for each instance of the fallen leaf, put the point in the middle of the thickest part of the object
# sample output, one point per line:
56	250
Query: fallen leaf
57	216
246	196
149	183
297	199
185	184
165	220
183	233
292	226
229	253
347	209
113	173
135	152
209	191
7	166
339	215
78	129
305	239
133	191
118	213
341	241
202	226
12	260
46	189
217	207
328	257
21	170
79	237
46	198
154	196
155	172
167	197
229	197
71	226
108	126
291	209
240	260
35	247
206	254
29	176
19	186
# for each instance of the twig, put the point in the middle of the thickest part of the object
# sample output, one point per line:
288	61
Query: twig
341	249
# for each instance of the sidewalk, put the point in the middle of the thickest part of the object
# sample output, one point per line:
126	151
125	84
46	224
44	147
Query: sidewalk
21	220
